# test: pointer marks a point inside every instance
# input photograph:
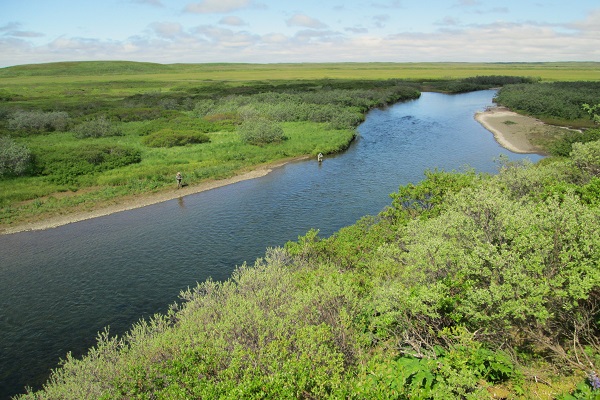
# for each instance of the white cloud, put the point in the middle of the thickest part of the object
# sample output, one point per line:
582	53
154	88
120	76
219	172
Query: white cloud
225	41
273	38
11	26
448	21
590	24
380	20
305	21
232	21
156	3
356	29
217	6
168	30
226	38
13	29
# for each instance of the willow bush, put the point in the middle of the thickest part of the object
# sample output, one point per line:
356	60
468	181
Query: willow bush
97	127
260	131
34	122
170	138
15	158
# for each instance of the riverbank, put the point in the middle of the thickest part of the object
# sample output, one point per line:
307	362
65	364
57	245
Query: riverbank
130	203
511	130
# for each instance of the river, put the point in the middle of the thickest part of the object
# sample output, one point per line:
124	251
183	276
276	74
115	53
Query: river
61	286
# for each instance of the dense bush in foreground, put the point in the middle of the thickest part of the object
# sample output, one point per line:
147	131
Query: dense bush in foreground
468	286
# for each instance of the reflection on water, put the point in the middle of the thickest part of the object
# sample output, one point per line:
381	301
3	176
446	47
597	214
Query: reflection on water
59	287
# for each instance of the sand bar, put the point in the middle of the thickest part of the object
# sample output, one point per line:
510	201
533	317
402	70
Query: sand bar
511	130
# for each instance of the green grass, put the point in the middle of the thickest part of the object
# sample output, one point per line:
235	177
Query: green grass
224	156
119	71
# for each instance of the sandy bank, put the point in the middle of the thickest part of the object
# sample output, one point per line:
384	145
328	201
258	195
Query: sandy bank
142	200
511	130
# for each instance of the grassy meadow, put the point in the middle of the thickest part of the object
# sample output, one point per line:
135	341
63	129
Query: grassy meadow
100	131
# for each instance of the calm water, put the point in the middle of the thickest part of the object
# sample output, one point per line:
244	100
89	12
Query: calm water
59	287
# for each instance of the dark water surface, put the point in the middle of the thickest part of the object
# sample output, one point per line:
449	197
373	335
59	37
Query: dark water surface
61	286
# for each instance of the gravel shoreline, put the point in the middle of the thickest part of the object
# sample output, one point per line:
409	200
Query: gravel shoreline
142	200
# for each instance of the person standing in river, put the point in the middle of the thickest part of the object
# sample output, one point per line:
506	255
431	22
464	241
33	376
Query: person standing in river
178	177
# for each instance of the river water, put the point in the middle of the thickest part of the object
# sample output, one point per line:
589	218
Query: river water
59	287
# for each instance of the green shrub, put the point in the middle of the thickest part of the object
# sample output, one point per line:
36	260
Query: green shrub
38	121
140	114
97	127
64	165
593	111
563	146
172	138
586	156
456	372
15	158
260	132
203	107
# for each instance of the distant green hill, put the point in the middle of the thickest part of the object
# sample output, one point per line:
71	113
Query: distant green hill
84	68
565	71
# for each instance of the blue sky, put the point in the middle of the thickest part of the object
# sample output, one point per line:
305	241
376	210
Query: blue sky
274	31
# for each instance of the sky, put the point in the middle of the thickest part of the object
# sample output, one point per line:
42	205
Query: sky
290	31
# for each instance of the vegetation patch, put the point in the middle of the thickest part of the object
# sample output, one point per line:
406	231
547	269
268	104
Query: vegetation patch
15	158
555	102
170	138
97	127
33	122
260	131
65	165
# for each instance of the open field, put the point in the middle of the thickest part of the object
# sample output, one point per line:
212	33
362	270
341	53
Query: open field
96	72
